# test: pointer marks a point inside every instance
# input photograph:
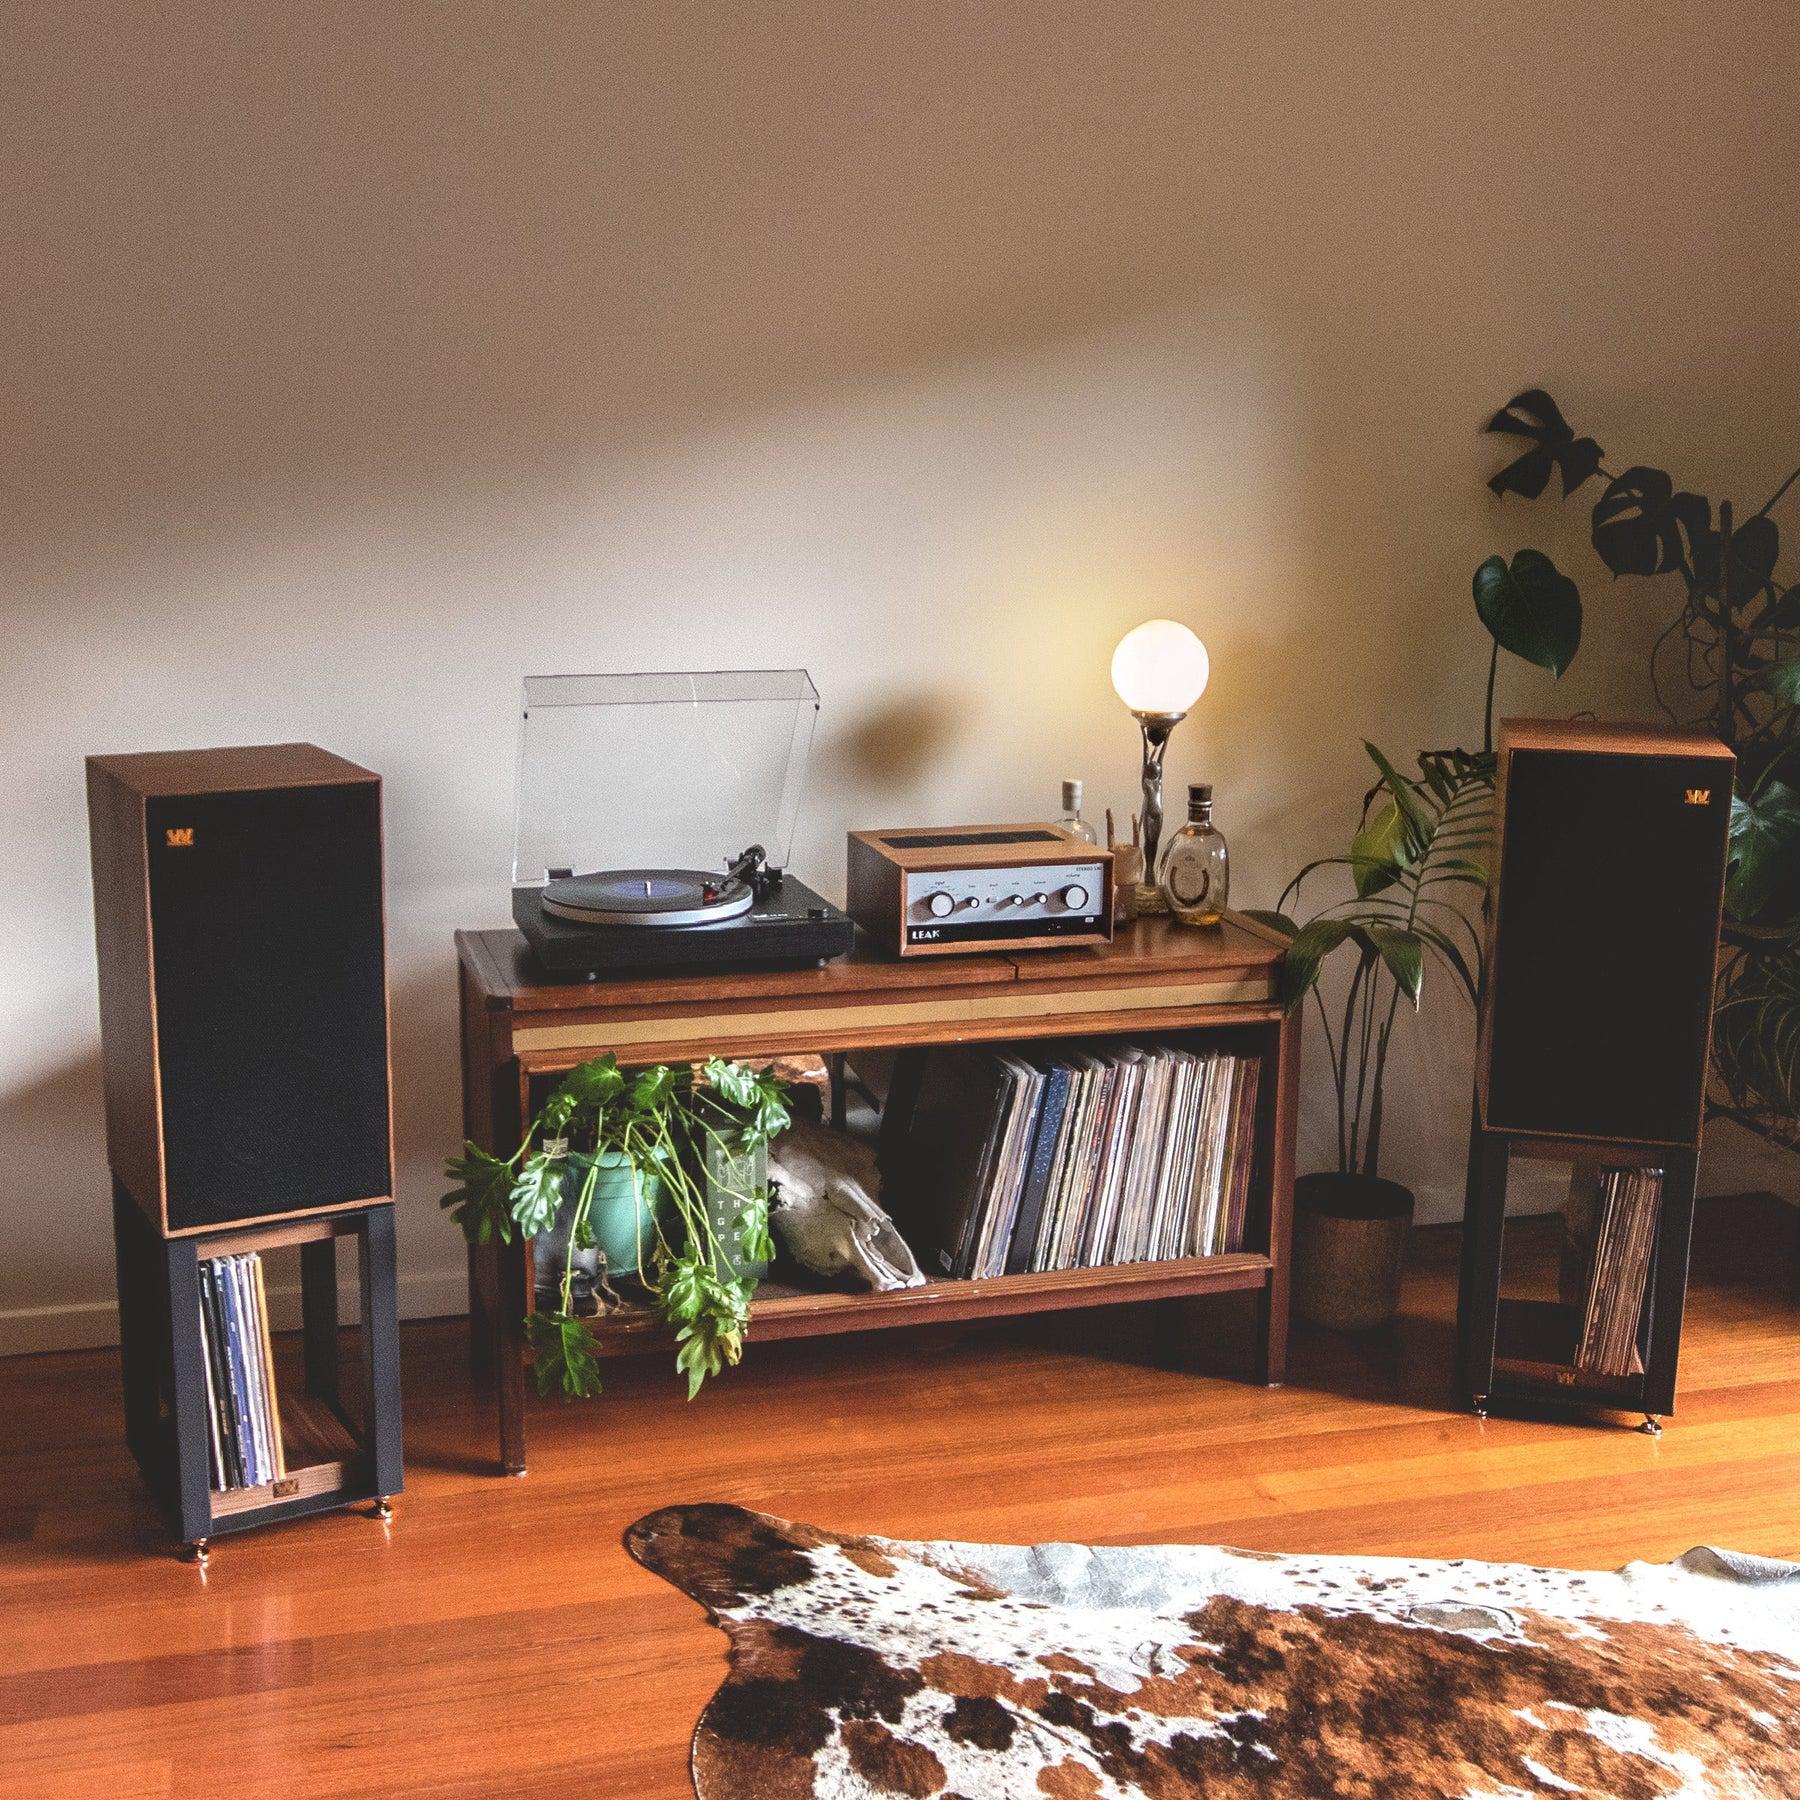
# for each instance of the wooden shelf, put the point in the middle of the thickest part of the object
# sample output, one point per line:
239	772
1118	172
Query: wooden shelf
780	1311
1534	1351
323	1457
279	1232
1155	977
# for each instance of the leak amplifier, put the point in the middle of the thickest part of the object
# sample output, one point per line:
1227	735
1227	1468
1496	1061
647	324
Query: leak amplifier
937	890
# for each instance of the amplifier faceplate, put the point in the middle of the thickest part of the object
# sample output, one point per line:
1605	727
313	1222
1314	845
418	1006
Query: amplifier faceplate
1002	905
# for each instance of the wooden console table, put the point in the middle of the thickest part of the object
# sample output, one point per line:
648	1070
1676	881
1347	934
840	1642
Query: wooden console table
519	1025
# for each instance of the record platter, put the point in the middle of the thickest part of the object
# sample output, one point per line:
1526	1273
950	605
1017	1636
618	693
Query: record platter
632	920
646	897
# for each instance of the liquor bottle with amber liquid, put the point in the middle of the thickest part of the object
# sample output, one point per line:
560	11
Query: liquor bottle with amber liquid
1195	878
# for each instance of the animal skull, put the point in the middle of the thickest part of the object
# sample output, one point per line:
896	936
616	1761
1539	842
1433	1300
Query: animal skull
823	1212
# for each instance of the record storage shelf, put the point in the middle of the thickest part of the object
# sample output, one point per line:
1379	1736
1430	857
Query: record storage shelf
337	1455
1156	977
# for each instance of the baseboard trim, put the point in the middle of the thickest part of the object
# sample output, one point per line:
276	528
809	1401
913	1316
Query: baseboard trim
93	1324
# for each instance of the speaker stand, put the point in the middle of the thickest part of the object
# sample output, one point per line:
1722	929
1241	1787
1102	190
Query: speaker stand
1515	1353
163	1363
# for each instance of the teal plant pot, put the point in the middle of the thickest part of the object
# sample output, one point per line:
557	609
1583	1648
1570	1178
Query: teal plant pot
623	1214
623	1229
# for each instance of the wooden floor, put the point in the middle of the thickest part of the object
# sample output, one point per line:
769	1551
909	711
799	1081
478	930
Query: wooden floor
495	1635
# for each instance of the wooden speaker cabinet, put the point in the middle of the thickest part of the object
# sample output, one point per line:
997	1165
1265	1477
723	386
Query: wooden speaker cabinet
1595	1033
1604	931
243	986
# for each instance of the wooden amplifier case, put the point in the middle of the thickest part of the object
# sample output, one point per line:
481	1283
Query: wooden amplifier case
881	864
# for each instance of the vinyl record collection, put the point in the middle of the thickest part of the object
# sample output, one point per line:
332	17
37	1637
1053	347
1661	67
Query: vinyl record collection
1611	1224
1071	1158
242	1411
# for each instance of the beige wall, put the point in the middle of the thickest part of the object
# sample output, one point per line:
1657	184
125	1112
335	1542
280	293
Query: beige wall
361	358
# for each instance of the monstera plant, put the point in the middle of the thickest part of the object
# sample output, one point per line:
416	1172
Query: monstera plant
1417	870
648	1166
1729	659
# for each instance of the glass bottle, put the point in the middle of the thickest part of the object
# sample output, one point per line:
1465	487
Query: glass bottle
1196	876
1071	819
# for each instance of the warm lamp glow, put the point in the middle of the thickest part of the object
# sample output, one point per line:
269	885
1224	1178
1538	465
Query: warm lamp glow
1160	668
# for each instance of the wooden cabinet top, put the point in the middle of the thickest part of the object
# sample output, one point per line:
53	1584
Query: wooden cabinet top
501	969
229	770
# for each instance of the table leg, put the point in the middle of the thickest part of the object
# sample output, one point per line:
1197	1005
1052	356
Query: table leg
481	1330
1271	1332
1277	1135
505	1334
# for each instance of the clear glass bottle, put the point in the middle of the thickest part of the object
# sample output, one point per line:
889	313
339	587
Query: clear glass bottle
1071	819
1195	878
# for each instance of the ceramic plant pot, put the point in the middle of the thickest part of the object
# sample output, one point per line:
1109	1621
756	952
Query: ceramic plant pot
624	1233
623	1214
1349	1249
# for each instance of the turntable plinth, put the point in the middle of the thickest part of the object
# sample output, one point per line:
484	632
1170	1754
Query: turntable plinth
519	1025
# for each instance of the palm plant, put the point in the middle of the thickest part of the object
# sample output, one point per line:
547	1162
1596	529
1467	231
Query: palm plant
1418	859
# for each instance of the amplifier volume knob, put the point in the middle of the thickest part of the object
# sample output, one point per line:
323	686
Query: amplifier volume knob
940	904
1075	897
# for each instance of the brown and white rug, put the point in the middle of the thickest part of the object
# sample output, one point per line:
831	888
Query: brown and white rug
870	1666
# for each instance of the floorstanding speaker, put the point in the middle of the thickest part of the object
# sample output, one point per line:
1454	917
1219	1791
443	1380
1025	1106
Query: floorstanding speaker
1604	931
239	923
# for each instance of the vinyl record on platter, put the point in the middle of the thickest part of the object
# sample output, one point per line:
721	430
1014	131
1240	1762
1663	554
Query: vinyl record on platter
647	897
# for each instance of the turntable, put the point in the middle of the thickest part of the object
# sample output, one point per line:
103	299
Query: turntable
623	779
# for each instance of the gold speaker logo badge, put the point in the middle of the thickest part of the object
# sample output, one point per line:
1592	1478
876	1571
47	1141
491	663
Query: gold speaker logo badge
1698	796
179	837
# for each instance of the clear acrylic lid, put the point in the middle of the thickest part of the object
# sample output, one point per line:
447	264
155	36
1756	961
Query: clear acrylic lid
677	771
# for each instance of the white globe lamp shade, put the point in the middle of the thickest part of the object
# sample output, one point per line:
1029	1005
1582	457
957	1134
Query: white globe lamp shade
1160	668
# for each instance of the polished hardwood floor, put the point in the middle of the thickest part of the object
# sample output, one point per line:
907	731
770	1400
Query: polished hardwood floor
495	1636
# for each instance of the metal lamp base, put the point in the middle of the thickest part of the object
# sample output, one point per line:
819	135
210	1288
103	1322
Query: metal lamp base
1155	728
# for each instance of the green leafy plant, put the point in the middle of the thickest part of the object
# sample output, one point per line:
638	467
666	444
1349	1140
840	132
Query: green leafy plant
1734	645
1419	856
661	1122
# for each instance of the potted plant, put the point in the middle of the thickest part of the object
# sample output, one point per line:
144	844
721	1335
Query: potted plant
661	1172
1418	870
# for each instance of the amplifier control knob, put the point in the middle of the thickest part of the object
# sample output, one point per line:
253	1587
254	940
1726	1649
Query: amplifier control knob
1075	897
940	904
1037	899
967	901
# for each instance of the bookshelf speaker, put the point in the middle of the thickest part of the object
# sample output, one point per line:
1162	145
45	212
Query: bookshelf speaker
243	991
1604	931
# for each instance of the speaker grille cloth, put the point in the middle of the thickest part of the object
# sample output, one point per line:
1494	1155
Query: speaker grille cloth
271	1013
1609	899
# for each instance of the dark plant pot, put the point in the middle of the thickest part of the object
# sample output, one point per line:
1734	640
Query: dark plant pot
1349	1249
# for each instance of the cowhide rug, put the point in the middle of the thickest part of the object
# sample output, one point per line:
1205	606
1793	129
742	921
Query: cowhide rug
868	1666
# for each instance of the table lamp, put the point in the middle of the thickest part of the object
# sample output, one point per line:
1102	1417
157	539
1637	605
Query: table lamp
1159	670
